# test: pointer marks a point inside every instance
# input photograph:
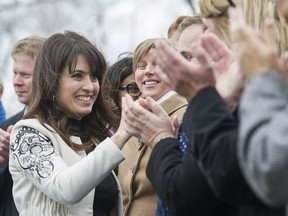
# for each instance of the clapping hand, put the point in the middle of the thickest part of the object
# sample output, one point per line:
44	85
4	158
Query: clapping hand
229	78
4	145
181	75
147	120
255	51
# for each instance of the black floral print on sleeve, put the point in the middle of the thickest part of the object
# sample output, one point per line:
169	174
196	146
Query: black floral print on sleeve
33	151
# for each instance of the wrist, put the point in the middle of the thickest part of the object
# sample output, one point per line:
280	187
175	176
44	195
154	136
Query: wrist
120	139
231	98
232	102
156	139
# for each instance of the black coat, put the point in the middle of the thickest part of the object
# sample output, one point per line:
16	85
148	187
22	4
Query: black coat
207	180
7	205
212	132
181	185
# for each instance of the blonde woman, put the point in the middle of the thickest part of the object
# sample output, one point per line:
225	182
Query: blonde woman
139	196
213	139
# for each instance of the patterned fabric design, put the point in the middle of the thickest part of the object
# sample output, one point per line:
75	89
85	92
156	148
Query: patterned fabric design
161	209
32	150
183	141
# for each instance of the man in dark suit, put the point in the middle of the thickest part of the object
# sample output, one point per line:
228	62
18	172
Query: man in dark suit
24	54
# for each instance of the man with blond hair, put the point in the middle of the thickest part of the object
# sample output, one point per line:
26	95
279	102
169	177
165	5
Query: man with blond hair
24	54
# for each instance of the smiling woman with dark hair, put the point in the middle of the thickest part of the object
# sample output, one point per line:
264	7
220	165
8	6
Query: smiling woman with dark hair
61	160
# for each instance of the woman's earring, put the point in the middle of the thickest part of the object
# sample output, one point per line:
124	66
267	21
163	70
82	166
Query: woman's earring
53	98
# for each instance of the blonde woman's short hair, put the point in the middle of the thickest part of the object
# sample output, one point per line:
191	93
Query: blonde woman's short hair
144	47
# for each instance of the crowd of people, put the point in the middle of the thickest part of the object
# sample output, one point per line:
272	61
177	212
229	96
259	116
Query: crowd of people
191	124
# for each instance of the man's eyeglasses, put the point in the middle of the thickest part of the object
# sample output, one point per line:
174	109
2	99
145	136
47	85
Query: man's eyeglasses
132	89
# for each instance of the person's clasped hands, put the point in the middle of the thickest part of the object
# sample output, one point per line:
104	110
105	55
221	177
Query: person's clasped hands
147	120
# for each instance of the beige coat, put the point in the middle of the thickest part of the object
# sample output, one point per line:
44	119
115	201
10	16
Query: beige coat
139	197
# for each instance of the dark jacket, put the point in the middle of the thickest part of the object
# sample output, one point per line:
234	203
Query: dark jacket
181	185
212	132
7	206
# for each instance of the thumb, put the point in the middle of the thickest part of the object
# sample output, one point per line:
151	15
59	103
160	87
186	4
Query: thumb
201	54
236	23
10	128
175	124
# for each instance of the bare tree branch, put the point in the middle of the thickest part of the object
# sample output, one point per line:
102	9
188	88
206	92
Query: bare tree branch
191	3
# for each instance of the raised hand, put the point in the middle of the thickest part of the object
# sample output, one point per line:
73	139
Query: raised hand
184	77
146	120
4	145
256	51
229	78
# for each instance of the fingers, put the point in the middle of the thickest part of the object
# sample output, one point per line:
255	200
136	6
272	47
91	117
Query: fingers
149	123
176	125
126	106
285	57
242	34
269	32
10	128
164	77
215	48
257	52
4	151
133	112
161	59
128	119
201	55
205	70
161	53
5	135
156	108
168	60
237	24
4	146
143	103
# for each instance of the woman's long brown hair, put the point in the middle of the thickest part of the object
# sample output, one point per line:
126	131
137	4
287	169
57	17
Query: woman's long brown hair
59	51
